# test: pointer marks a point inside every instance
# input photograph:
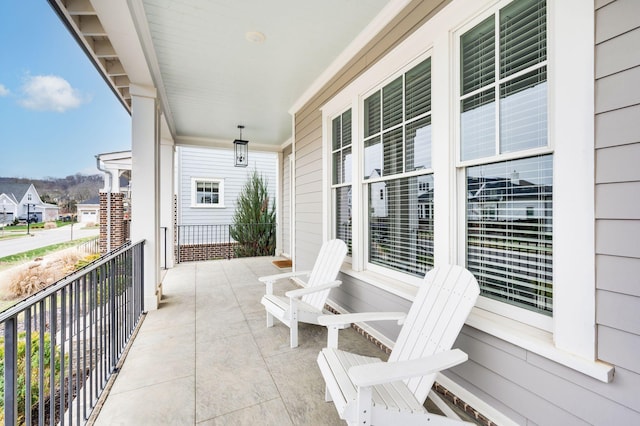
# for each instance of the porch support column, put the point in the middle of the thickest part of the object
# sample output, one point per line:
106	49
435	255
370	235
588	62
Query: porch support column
279	203
145	183
167	171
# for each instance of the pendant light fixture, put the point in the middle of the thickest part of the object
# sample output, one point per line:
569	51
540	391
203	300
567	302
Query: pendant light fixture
241	150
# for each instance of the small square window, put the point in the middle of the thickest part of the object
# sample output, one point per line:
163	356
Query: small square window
207	192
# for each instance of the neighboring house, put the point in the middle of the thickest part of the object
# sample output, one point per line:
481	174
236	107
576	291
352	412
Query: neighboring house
534	92
114	200
88	211
9	208
377	196
18	199
209	183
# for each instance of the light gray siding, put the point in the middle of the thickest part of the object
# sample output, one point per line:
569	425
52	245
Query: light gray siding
210	163
618	127
308	187
617	193
356	296
528	388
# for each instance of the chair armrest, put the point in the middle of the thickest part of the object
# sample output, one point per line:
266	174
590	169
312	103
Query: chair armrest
335	323
387	372
276	277
308	290
348	319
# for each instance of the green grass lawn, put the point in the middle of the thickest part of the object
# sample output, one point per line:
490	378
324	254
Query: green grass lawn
18	258
8	235
34	226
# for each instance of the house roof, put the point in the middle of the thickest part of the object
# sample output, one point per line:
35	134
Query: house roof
14	190
92	200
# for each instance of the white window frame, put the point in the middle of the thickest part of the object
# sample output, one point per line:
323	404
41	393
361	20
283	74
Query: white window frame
525	316
194	198
570	75
331	225
363	183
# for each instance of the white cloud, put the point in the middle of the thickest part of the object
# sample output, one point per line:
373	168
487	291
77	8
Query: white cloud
3	90
49	93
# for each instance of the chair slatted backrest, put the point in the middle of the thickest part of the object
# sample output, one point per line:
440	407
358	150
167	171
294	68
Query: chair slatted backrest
325	270
441	306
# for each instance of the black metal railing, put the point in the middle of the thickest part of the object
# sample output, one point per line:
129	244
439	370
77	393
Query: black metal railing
208	242
91	246
62	344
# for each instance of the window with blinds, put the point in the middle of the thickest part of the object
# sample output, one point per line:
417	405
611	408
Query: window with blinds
401	224
341	177
516	80
503	109
509	230
397	172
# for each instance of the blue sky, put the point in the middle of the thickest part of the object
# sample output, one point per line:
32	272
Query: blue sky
56	112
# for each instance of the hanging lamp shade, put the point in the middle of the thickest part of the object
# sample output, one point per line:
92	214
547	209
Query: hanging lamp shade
241	150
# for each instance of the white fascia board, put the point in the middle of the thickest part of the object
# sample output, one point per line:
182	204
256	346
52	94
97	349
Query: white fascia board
116	155
223	143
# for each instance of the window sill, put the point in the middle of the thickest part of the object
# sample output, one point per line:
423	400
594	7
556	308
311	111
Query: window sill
212	206
396	287
537	341
522	335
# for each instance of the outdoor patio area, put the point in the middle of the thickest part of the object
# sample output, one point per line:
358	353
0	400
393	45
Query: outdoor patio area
206	356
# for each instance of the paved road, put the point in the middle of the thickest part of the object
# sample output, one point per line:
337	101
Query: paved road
45	237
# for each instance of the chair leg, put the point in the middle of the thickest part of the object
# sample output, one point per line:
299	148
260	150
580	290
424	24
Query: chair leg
293	325
269	320
293	334
364	405
327	395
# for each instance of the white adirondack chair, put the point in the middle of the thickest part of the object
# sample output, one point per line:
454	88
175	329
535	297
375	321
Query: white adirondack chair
305	304
367	391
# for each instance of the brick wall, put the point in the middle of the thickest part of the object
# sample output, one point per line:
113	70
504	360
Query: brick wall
119	226
196	252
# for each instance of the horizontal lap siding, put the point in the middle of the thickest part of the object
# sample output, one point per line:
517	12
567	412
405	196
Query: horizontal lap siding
218	164
308	187
617	190
356	296
539	390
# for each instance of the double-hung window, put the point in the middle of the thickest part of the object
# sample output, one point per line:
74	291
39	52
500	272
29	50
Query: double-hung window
505	158
397	173
342	168
513	159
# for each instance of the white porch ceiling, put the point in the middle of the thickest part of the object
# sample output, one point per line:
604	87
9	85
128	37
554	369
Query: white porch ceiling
210	78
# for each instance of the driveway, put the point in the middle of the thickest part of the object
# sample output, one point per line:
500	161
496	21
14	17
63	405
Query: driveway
45	237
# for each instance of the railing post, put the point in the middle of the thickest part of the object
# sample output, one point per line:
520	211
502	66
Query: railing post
178	242
10	370
141	275
165	247
113	358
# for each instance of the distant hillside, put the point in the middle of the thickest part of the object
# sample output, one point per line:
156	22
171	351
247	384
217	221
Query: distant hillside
65	192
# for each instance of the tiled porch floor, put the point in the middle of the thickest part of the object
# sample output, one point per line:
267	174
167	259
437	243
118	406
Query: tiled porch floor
205	356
